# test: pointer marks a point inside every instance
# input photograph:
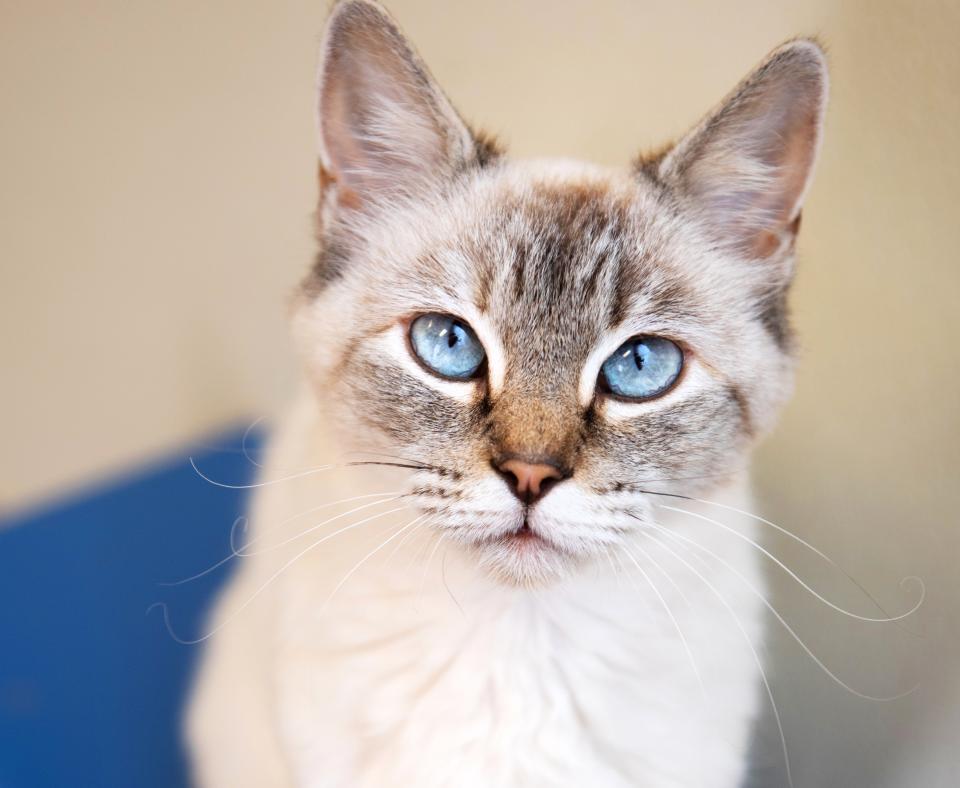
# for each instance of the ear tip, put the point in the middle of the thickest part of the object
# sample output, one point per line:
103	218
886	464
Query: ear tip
805	55
356	13
356	6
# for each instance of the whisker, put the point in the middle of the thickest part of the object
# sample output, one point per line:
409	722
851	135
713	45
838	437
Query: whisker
696	478
426	568
396	493
354	463
243	443
301	474
366	558
666	574
246	553
400	457
236	552
446	585
676	625
613	567
795	576
756	657
255	485
776	613
419	552
213	567
397	547
269	580
789	534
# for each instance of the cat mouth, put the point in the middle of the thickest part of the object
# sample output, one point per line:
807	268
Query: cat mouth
525	555
525	538
524	534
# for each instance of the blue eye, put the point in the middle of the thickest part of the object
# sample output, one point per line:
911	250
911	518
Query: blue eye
643	367
446	346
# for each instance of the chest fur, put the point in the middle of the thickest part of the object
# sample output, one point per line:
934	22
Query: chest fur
449	680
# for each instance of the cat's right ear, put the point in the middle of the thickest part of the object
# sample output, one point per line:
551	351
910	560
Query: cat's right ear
387	131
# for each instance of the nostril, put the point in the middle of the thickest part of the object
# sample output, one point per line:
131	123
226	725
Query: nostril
547	483
529	481
511	478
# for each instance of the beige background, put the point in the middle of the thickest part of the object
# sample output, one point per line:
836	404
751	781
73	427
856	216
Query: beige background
157	179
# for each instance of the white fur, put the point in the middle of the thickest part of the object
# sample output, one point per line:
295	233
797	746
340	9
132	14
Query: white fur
443	677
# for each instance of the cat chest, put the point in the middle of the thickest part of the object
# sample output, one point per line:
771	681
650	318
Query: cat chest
563	695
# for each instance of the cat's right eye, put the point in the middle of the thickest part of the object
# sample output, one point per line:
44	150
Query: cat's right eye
446	346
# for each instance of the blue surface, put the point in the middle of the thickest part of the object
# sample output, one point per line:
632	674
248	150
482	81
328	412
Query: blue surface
91	688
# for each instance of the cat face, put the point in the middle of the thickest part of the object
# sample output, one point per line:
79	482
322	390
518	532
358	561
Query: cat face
544	341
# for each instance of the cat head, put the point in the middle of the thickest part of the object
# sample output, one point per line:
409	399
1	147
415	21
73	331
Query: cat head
546	340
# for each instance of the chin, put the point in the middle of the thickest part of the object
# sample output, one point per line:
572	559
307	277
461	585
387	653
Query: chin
526	559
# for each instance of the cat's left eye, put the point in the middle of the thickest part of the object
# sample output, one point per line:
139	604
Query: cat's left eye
642	368
446	346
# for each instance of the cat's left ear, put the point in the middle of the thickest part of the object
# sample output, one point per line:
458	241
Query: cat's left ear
387	131
744	170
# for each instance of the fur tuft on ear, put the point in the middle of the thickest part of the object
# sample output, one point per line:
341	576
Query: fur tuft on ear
386	129
744	170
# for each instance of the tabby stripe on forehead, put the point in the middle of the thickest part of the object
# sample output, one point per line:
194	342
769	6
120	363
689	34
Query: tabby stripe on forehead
608	264
520	269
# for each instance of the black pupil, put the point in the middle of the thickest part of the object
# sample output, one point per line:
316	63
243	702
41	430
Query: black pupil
452	336
637	358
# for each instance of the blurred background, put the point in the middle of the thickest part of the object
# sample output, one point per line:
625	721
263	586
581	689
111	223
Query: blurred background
158	175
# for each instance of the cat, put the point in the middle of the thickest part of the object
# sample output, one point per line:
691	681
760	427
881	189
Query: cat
531	392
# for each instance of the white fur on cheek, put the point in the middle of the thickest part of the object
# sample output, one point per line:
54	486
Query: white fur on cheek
394	343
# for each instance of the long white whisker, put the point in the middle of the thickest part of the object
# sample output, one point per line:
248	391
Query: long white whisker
397	547
278	526
254	485
776	613
243	443
613	566
367	557
676	625
269	580
236	552
418	552
213	567
426	567
795	538
753	650
246	552
446	585
666	574
796	577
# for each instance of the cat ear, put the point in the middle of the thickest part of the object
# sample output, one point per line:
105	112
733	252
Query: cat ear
745	168
386	129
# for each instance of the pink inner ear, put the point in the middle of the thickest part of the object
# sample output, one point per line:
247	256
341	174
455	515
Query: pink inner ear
758	212
792	162
747	166
386	129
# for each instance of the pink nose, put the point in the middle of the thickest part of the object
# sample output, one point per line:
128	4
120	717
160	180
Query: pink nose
529	481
